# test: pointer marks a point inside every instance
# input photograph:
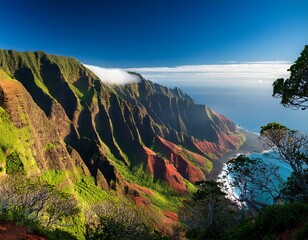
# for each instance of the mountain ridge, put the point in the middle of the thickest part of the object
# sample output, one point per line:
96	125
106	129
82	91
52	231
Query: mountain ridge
111	131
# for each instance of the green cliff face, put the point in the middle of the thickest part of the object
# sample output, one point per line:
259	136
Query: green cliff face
129	138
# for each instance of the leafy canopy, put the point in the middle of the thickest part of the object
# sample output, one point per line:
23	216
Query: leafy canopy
293	91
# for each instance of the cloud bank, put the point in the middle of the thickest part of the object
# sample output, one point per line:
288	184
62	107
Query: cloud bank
113	75
228	74
237	74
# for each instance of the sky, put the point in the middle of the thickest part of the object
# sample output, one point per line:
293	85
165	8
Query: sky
157	33
224	53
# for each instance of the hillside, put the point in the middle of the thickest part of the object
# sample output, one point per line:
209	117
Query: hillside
143	140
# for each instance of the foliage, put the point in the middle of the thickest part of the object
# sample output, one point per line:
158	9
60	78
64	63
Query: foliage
4	75
9	133
293	91
252	178
293	191
291	148
209	212
118	221
255	178
14	164
272	221
87	191
164	197
49	146
54	177
32	200
15	146
58	234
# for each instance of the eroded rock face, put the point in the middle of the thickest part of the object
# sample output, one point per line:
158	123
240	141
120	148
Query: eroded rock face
47	148
137	124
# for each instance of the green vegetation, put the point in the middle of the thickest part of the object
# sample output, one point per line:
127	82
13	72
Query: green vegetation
9	133
121	221
43	209
49	146
164	197
293	91
242	138
272	222
9	139
15	146
35	203
209	212
12	61
291	148
208	165
87	191
4	75
253	177
54	177
13	164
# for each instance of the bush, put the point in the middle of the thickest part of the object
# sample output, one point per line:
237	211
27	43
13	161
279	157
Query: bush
271	221
118	221
58	234
32	200
209	212
14	164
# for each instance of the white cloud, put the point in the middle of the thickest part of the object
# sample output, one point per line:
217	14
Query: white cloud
113	75
227	74
232	73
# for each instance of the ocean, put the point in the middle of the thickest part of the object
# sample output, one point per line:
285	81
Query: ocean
249	108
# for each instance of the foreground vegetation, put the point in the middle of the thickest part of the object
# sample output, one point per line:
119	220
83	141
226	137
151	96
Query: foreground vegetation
44	209
215	213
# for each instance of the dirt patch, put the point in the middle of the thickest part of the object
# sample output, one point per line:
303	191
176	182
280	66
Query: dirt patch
11	231
171	215
141	201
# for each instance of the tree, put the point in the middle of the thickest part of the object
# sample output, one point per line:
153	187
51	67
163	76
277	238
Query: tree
209	212
255	183
290	147
255	178
293	91
116	220
258	183
33	200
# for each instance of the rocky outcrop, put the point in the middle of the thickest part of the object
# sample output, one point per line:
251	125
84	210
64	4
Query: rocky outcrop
163	169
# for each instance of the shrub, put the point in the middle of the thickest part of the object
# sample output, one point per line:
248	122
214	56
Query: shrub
118	221
14	164
271	221
33	200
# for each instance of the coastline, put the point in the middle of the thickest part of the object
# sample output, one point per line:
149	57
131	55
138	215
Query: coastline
252	144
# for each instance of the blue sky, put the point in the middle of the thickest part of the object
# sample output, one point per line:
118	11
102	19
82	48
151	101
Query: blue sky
140	33
224	53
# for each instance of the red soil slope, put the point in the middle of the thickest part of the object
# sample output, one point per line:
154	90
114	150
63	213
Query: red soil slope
10	231
162	169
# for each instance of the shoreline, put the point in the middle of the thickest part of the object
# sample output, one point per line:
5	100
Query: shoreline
252	144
